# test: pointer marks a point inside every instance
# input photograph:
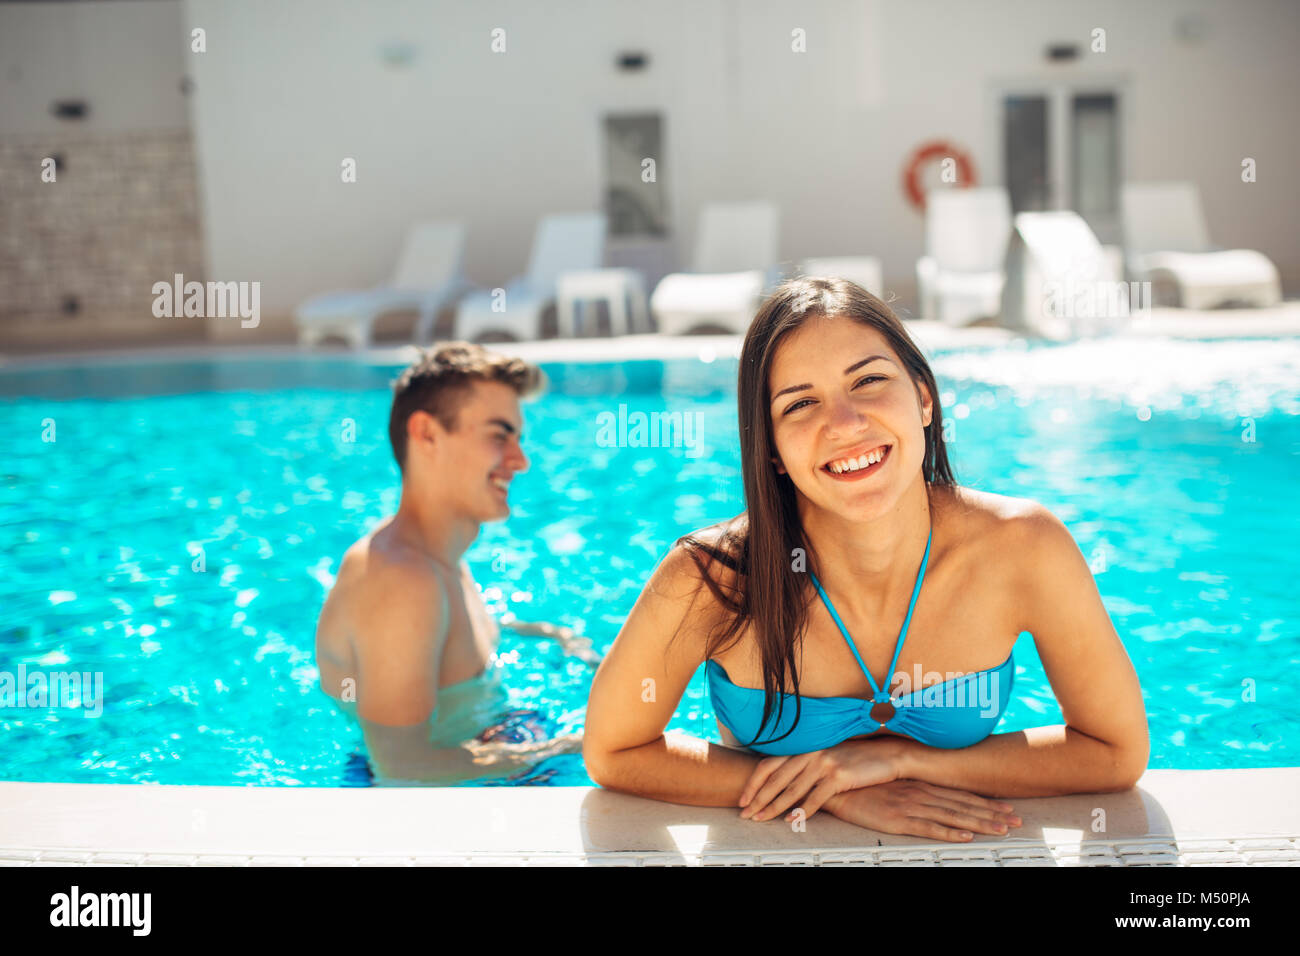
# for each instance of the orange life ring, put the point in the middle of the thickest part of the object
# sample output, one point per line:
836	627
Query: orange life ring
928	152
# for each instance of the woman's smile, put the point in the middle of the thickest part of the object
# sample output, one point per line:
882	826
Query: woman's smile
859	465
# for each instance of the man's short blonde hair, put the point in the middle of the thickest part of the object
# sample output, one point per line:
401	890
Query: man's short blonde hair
440	378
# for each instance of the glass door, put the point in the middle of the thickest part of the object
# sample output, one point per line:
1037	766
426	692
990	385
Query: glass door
1025	146
1094	162
1061	149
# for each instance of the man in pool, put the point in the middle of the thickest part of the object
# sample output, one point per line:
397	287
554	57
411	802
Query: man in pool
404	642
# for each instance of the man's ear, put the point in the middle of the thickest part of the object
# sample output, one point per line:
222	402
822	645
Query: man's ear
420	427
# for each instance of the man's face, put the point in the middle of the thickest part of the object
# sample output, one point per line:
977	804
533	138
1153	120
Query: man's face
474	464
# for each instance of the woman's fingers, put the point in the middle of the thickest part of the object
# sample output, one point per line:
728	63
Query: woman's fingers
965	796
924	827
995	811
989	811
766	767
778	778
918	809
791	794
817	799
966	818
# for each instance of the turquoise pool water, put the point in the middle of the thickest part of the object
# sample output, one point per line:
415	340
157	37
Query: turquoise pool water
1175	465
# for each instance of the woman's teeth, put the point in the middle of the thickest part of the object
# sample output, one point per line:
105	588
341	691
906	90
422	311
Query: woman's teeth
845	465
502	484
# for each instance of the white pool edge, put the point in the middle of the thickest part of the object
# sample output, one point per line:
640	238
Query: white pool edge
1172	818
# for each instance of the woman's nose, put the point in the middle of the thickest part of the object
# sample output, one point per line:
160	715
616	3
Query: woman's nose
845	415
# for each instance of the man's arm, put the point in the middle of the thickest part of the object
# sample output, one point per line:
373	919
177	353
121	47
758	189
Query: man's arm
399	653
569	640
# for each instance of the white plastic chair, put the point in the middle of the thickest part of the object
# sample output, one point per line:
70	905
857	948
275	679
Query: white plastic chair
960	277
1165	238
1061	282
563	243
735	253
862	270
427	278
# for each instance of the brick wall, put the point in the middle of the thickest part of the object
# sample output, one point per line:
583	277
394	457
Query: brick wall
80	255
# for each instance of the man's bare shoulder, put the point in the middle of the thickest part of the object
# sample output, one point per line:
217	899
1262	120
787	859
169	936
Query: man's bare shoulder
381	578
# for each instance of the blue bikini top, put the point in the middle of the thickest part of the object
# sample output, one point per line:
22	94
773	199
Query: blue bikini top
956	713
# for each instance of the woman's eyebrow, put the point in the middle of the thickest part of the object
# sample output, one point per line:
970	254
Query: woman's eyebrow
852	368
792	388
870	358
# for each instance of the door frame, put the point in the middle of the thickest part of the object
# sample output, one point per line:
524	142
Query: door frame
1059	90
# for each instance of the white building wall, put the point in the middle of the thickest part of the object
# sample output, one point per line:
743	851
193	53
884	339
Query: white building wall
287	89
126	57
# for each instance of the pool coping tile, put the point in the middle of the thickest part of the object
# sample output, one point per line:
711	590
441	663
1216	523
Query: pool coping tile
1173	817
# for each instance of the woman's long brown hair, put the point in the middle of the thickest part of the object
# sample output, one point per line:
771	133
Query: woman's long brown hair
759	544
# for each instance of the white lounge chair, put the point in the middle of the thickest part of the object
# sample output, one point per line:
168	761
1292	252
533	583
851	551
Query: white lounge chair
1061	283
735	257
863	270
563	243
1166	240
428	278
959	279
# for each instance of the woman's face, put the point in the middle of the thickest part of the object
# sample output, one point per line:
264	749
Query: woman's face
848	423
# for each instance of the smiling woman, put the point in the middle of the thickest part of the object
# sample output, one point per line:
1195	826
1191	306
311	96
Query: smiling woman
850	499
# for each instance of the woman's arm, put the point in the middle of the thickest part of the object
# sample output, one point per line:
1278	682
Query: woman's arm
1103	744
639	685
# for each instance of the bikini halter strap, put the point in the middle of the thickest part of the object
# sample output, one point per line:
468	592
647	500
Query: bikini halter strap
880	695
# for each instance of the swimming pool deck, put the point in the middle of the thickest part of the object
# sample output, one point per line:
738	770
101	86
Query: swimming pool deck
1277	321
1172	818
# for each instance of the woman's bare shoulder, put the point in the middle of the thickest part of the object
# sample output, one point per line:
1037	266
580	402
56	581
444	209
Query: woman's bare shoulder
715	551
970	504
1003	527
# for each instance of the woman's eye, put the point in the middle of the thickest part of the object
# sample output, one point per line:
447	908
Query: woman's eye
866	378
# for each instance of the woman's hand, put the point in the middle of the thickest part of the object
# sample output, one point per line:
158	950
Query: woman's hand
922	809
809	780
